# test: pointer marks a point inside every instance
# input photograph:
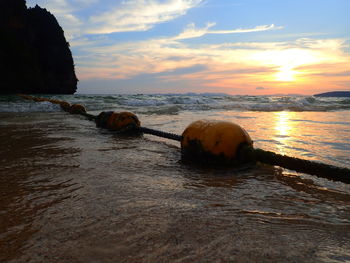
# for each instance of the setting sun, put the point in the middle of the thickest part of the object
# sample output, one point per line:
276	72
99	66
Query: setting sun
286	74
285	61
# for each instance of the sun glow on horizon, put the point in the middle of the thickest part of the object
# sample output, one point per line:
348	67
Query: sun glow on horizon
286	61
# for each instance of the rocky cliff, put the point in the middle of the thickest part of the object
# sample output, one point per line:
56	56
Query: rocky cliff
34	54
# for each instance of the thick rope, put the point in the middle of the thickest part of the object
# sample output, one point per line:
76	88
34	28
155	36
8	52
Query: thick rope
162	134
90	117
304	166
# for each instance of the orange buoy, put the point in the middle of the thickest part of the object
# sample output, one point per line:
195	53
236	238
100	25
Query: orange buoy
122	120
77	109
213	141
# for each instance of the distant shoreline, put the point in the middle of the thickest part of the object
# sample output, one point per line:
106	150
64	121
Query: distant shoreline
334	94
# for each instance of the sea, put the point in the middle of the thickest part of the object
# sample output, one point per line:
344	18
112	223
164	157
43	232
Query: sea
72	192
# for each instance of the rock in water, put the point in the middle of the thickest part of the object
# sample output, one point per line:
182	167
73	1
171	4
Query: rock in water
34	54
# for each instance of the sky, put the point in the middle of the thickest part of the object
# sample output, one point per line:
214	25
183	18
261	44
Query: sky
245	47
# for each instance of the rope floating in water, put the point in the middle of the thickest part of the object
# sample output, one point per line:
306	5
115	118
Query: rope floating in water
208	141
162	134
300	165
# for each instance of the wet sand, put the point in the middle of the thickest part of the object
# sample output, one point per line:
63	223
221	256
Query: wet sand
73	193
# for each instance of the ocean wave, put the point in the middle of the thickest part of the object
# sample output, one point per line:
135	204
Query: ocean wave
20	106
175	103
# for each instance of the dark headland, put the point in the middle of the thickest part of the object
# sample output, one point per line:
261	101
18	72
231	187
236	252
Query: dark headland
334	94
34	54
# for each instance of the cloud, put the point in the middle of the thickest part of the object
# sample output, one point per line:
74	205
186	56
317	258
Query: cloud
180	71
192	32
62	6
138	15
130	15
326	70
247	30
173	58
64	12
260	88
55	6
122	16
243	66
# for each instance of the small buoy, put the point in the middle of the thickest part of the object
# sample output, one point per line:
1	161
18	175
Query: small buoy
77	109
213	141
122	120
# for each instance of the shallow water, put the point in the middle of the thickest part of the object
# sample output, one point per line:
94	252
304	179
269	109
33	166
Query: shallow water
71	192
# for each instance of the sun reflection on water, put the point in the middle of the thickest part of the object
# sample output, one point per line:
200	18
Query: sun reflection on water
307	135
284	130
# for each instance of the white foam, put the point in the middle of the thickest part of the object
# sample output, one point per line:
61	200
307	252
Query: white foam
178	102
